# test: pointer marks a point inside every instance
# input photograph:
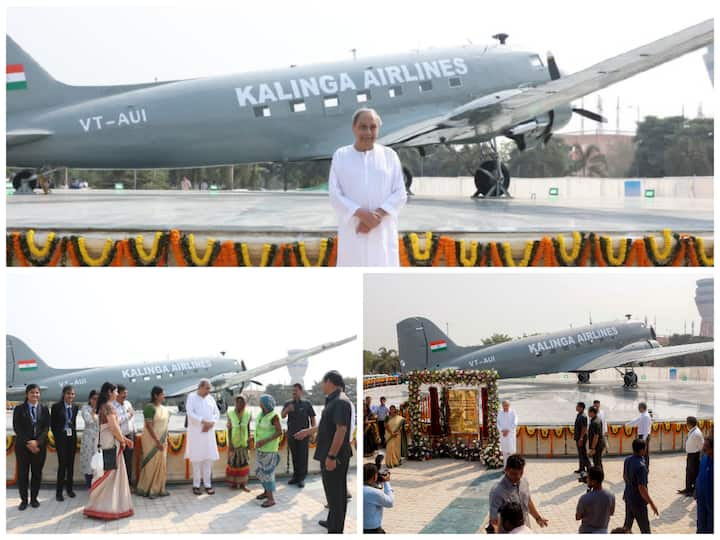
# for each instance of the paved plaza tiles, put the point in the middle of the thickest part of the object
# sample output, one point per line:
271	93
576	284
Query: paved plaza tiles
228	512
451	496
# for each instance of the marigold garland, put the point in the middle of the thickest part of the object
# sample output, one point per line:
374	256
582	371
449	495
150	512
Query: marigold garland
587	249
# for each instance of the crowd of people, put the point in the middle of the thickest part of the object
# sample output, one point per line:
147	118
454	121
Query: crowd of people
385	428
108	441
597	505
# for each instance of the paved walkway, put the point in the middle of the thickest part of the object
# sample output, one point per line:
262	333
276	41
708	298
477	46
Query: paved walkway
447	496
228	511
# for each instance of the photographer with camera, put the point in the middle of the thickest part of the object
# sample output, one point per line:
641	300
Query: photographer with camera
377	494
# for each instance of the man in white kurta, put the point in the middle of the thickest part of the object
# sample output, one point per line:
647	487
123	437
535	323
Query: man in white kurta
367	192
507	424
201	448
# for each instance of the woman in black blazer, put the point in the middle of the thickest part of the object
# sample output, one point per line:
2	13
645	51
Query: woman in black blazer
31	422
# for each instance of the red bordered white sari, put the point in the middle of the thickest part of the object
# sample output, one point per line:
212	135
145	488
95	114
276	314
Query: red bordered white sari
110	496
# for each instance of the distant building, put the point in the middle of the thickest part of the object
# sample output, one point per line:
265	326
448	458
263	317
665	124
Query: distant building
704	302
298	369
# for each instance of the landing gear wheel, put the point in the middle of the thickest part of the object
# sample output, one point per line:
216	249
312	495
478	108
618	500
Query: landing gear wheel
583	377
408	180
24	177
630	379
486	178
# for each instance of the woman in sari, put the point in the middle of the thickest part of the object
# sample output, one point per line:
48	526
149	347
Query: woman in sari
88	445
393	425
153	467
110	493
238	426
403	431
370	432
267	442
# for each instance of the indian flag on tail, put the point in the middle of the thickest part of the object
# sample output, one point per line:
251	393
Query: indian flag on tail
16	77
26	365
439	345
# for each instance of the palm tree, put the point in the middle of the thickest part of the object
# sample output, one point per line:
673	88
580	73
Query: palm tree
589	161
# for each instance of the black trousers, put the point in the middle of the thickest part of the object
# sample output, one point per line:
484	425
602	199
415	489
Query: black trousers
129	463
29	464
637	513
597	457
335	486
647	451
66	462
379	530
691	470
299	453
381	429
583	461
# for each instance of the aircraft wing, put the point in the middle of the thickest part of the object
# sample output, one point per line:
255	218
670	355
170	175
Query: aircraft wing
624	358
498	112
250	374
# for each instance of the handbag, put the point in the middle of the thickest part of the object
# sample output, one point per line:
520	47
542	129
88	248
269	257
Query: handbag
109	457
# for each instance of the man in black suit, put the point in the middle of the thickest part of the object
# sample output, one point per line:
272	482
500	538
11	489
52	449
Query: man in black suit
63	416
31	422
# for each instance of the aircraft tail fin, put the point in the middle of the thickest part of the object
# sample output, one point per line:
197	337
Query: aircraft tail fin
29	86
23	365
422	345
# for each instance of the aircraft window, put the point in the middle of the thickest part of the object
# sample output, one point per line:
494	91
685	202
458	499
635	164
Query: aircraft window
133	379
395	91
536	61
331	102
566	347
298	106
170	374
262	111
553	350
146	378
455	82
363	96
538	354
425	86
158	376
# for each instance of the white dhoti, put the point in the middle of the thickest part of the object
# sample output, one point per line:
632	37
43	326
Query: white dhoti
202	473
507	421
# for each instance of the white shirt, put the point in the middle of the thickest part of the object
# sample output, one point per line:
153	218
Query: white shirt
601	414
367	180
127	424
522	529
507	420
643	422
201	446
695	441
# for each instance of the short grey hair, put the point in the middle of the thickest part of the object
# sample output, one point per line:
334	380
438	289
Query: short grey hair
504	401
362	110
204	382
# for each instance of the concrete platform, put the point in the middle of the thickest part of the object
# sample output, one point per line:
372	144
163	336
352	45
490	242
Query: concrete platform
300	215
227	512
669	400
452	496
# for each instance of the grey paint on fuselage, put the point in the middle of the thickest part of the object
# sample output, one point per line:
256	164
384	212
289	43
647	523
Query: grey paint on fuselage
552	353
212	121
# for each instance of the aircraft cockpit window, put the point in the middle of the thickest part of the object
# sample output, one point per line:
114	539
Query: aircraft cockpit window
395	91
298	106
363	96
425	86
536	62
262	111
455	82
330	102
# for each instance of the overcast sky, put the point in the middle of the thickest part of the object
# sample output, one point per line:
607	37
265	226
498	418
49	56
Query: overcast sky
87	317
475	306
113	45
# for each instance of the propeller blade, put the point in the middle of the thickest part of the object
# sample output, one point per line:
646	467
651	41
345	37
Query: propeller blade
257	382
552	67
591	115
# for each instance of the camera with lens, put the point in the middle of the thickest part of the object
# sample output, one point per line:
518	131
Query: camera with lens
383	472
